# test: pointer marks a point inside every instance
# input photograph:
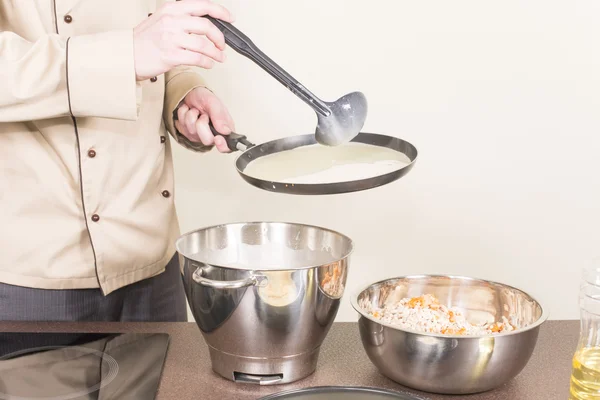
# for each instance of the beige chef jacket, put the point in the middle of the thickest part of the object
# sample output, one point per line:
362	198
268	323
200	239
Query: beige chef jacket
86	174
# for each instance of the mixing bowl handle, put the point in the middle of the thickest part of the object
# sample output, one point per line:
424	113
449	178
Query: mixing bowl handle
253	280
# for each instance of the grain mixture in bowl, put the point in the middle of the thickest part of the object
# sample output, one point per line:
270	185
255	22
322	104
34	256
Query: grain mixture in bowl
426	314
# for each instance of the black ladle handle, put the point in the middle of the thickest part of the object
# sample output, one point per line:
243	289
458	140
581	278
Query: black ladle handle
243	45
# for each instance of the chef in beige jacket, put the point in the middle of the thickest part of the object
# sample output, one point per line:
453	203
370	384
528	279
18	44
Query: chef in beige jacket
88	90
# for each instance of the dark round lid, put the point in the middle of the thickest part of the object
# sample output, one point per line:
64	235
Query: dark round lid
341	393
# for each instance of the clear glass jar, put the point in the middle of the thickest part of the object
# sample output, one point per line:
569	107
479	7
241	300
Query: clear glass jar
585	377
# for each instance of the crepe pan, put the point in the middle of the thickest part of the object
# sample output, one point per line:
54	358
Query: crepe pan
252	152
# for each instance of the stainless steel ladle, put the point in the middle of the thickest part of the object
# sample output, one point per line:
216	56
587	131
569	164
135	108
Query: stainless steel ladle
338	122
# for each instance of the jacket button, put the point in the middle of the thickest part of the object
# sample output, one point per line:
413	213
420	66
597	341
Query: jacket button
154	79
149	14
92	153
95	218
166	193
163	139
68	19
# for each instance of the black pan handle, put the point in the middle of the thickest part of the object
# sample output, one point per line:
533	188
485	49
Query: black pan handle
234	141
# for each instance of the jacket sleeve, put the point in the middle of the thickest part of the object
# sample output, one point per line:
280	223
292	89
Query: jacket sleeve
178	83
83	76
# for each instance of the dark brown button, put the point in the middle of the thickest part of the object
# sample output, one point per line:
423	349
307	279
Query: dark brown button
153	79
149	14
68	19
92	153
163	139
95	218
166	193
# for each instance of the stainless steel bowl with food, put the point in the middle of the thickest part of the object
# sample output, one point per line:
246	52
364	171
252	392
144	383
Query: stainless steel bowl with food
448	334
264	295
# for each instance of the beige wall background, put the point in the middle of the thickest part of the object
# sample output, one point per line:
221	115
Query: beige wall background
502	99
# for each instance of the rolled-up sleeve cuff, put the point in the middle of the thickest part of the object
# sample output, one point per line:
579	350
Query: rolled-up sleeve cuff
178	86
101	78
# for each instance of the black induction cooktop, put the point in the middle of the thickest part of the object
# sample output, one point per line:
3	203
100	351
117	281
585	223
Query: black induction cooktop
81	366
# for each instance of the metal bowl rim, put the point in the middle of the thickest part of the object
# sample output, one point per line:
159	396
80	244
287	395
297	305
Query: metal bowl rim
363	314
314	185
189	233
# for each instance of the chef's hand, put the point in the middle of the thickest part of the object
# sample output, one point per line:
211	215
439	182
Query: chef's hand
176	34
199	107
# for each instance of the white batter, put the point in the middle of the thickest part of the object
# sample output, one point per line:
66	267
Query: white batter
321	164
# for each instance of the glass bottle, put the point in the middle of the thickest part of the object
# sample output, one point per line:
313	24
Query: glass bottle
585	376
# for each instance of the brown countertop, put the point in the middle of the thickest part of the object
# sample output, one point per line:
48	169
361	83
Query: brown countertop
187	373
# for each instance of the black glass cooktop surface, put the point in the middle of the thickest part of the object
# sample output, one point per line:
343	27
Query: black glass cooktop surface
81	366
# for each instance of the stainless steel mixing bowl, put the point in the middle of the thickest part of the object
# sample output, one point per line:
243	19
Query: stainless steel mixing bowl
264	295
451	364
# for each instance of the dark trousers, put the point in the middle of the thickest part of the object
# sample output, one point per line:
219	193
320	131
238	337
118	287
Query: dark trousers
157	299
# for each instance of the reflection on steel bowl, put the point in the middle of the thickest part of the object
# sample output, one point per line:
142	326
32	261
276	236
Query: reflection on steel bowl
332	278
450	363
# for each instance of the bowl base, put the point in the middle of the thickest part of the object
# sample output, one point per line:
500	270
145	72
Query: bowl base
263	370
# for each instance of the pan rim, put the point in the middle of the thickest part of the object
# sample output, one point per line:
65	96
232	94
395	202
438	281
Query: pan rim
341	389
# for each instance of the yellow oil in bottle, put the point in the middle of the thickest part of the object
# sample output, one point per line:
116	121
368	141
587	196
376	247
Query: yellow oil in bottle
585	378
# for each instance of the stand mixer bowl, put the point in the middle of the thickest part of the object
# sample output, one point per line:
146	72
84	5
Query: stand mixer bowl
264	295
